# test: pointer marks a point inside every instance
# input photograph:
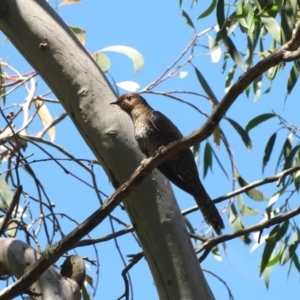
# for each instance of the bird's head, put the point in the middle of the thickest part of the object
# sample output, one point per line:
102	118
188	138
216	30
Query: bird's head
128	102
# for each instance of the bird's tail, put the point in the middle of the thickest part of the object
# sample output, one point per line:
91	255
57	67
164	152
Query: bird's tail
210	213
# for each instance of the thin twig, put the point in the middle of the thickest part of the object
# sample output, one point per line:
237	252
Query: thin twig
223	281
11	207
210	243
135	259
248	187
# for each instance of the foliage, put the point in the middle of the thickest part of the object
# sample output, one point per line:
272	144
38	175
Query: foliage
260	22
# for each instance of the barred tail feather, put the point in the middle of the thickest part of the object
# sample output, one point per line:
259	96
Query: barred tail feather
210	213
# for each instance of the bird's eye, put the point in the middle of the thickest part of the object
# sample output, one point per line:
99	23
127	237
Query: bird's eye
129	98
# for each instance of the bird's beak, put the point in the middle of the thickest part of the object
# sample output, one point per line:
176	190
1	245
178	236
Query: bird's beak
112	103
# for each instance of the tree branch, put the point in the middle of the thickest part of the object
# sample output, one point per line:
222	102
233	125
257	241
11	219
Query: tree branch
278	177
210	243
14	204
55	251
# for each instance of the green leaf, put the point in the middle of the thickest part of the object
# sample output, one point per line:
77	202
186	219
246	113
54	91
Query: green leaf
136	57
102	61
268	150
292	248
242	132
296	262
261	46
245	210
258	120
234	54
272	72
283	230
236	223
12	228
206	87
257	87
229	78
209	10
275	258
296	177
207	164
80	33
277	234
224	35
293	77
6	195
252	40
267	276
225	60
240	15
288	19
274	198
217	136
247	91
231	24
216	253
272	26
287	147
289	268
221	16
250	17
77	30
254	194
285	151
290	157
269	248
188	19
288	152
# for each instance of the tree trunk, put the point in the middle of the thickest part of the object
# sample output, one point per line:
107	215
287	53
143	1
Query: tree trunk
56	54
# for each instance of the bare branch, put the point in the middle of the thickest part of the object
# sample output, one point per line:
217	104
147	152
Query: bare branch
278	178
210	243
14	203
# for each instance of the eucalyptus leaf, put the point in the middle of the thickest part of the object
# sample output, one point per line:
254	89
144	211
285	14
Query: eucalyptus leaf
136	57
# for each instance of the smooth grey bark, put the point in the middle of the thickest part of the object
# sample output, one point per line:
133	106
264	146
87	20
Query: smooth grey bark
16	257
56	54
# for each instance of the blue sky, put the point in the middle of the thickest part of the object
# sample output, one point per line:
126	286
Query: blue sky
158	31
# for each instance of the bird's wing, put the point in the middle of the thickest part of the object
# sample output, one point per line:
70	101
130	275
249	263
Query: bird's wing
165	127
171	133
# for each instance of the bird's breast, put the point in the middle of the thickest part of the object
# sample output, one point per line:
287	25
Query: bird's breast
147	137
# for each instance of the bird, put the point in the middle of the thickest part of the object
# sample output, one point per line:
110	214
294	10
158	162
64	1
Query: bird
152	130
